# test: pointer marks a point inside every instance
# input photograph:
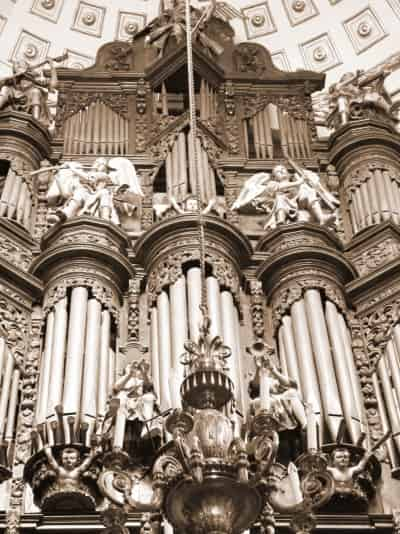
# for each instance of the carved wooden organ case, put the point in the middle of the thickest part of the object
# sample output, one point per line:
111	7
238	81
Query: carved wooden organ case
83	298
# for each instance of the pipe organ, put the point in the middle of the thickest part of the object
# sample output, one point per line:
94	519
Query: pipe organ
373	193
180	175
16	197
78	364
272	133
95	321
96	129
387	389
175	317
10	374
315	349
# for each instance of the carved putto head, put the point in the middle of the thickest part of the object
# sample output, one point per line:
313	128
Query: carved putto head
70	458
340	458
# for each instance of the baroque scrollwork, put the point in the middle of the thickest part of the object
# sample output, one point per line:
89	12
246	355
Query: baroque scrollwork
170	270
103	294
378	255
292	288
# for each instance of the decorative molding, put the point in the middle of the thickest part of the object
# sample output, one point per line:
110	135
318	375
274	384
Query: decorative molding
364	30
299	11
77	60
47	9
257	303
30	47
129	23
89	19
376	256
258	20
320	54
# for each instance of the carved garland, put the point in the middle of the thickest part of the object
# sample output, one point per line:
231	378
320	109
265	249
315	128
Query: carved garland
30	379
142	123
170	270
365	375
133	310
257	308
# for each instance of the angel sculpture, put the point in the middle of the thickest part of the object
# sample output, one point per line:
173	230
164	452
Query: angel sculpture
364	88
107	190
172	23
288	199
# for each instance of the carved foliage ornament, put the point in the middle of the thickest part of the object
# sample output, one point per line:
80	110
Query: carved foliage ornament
99	291
376	256
72	102
170	270
257	307
292	289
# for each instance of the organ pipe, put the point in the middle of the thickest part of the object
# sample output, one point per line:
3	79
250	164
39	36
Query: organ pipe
352	417
57	356
104	363
45	370
90	378
75	350
329	392
164	347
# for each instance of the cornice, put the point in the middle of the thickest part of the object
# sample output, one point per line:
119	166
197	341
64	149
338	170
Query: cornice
24	128
182	231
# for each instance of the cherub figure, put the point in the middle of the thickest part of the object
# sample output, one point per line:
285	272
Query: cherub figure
70	470
286	405
136	416
344	474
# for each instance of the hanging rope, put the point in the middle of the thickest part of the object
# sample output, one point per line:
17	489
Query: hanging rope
194	160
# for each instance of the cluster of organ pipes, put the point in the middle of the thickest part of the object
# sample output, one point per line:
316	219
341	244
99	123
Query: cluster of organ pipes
9	379
176	317
207	101
96	129
181	176
386	382
78	363
374	199
16	199
315	350
272	133
172	103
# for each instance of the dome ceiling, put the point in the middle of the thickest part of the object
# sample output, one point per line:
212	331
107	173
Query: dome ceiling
332	36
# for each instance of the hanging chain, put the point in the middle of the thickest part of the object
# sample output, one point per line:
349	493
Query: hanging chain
193	162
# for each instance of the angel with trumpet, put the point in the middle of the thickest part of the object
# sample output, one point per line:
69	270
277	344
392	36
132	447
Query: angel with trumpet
29	90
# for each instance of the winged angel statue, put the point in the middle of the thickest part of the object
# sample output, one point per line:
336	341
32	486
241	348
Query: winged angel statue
107	190
288	199
362	89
